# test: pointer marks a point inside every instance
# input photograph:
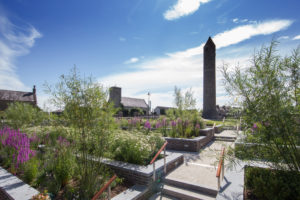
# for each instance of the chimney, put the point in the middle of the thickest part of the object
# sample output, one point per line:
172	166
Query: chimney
34	95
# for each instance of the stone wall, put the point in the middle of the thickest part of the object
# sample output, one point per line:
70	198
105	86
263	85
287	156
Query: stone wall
142	175
194	144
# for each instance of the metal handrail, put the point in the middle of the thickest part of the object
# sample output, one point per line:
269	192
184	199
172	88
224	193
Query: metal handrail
220	167
156	155
104	188
160	150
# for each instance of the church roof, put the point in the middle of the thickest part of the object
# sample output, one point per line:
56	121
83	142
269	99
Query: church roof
133	102
9	95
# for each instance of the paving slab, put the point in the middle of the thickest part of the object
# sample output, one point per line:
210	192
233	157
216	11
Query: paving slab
199	175
15	187
227	133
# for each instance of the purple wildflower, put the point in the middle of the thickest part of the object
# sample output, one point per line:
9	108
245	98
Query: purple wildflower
147	125
173	123
254	126
19	142
158	125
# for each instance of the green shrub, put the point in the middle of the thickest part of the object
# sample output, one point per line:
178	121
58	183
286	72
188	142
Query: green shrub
272	184
30	170
19	115
134	147
64	167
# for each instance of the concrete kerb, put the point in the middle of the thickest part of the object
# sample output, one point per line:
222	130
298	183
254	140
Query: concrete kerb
15	187
134	193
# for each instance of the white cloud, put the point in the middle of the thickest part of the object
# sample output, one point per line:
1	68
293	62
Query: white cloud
296	37
183	8
237	35
285	37
235	20
15	41
185	69
131	60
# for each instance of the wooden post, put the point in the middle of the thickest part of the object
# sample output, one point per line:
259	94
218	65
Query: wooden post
153	171
109	192
165	166
219	184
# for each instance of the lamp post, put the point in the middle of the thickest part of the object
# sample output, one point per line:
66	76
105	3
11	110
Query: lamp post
149	104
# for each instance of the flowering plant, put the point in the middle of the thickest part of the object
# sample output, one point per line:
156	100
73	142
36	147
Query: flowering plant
17	145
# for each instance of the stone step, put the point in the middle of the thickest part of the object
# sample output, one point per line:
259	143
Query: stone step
191	186
184	194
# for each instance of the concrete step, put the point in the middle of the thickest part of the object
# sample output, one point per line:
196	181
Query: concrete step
159	196
191	186
225	139
184	194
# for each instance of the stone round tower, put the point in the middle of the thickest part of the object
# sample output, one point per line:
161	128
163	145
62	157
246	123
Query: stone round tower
209	80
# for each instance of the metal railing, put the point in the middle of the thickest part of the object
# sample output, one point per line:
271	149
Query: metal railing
156	155
220	168
106	186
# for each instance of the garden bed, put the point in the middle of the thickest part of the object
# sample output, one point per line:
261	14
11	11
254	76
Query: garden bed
193	144
265	183
140	174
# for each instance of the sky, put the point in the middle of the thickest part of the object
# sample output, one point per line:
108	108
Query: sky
139	45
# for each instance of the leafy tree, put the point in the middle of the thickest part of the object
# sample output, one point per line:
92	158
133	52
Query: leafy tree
90	117
186	101
19	115
269	94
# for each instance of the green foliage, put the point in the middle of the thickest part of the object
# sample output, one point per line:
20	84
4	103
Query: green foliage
19	115
64	166
269	96
134	147
30	170
186	121
186	101
272	184
90	118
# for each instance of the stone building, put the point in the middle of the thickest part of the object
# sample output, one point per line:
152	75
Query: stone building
10	96
128	106
209	80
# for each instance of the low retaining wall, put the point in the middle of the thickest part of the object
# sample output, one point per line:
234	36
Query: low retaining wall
142	175
194	144
219	128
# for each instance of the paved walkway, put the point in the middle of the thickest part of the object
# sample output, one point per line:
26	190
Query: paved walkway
15	187
227	133
200	168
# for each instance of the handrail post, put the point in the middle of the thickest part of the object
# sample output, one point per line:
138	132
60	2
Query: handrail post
165	166
109	192
223	171
153	171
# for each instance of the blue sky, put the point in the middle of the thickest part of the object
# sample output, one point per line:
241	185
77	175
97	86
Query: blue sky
139	45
